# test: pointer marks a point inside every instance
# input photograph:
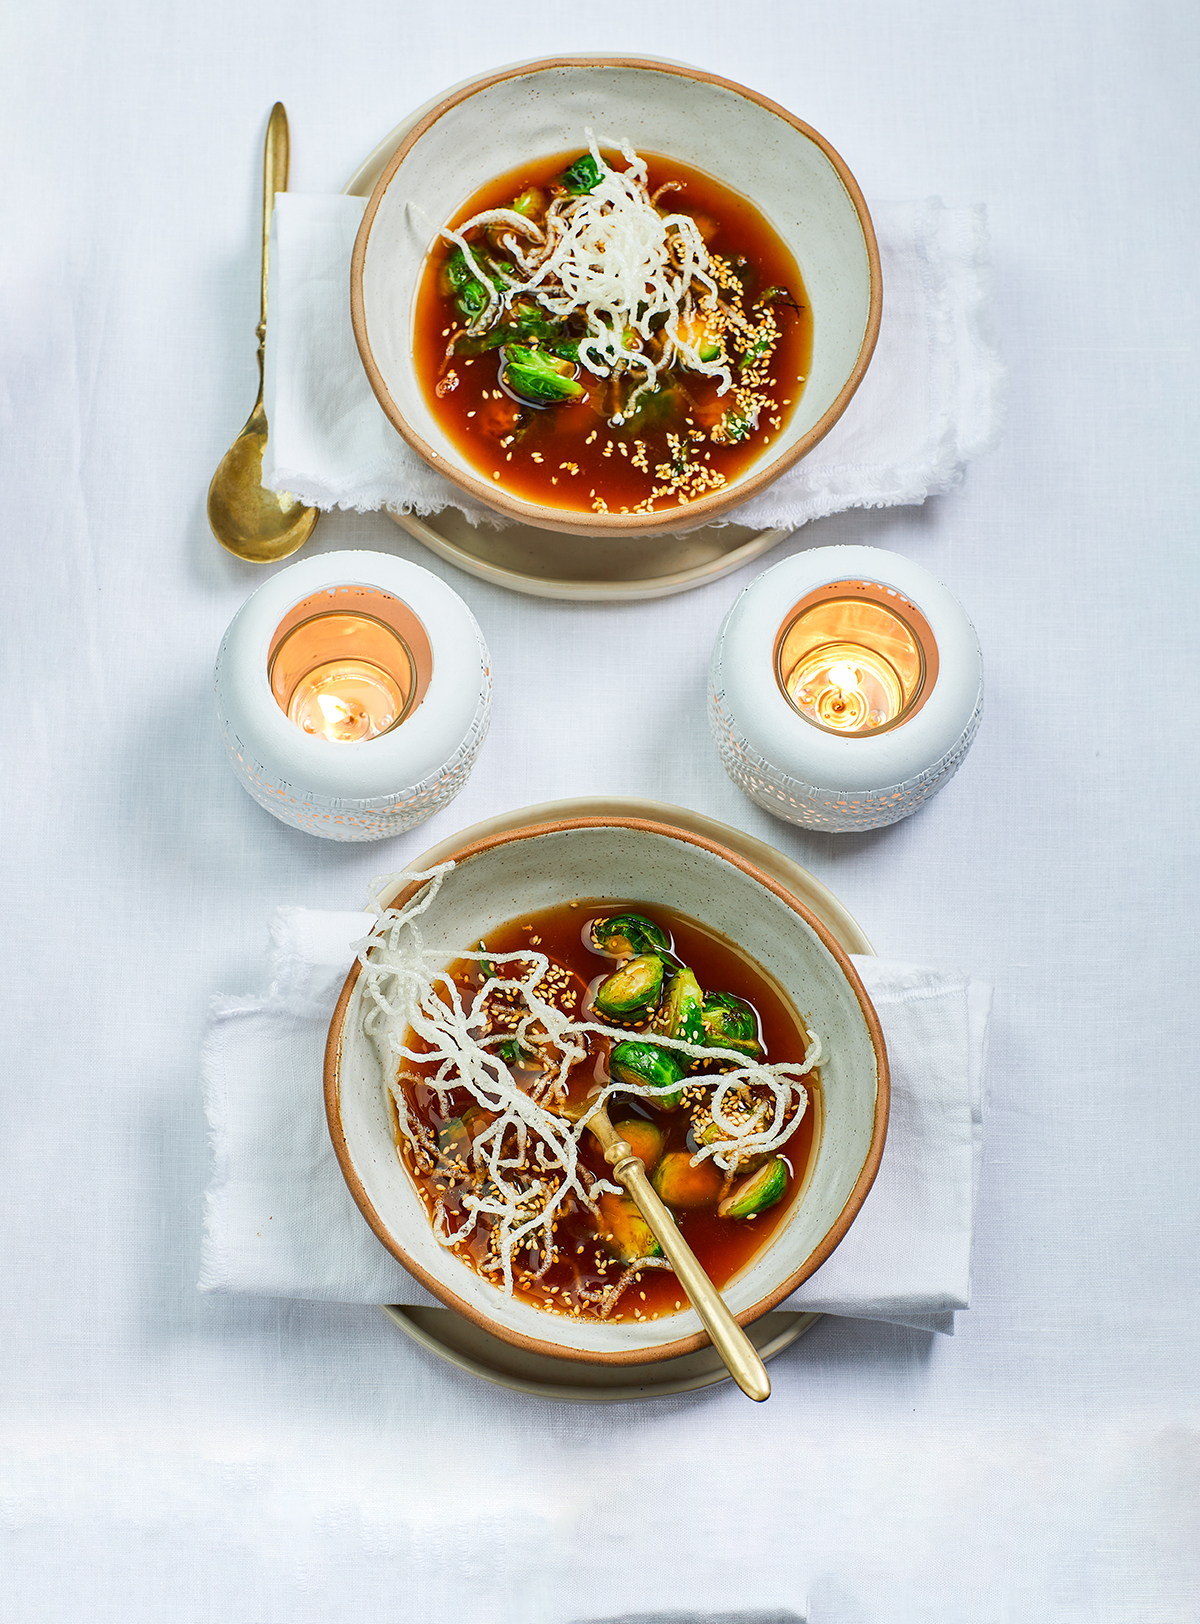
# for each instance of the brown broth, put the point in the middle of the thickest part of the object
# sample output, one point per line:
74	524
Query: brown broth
569	456
724	1246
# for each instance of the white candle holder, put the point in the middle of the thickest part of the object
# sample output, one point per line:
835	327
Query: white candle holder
846	687
413	632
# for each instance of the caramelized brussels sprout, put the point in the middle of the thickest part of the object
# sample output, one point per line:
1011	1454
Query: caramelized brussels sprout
531	202
683	1186
645	1139
682	1012
631	993
539	377
695	330
731	1023
624	1231
625	935
756	1192
649	1065
582	176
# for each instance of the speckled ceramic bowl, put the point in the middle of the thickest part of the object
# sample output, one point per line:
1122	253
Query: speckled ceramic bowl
544	865
494	124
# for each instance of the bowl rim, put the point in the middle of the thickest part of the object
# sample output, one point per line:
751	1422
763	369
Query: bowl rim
660	1350
705	508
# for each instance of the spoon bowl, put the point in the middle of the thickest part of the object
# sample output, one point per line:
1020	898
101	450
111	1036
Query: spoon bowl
249	520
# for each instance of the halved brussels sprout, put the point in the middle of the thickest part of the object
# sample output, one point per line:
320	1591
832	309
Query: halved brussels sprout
532	201
514	1053
649	1065
645	1139
625	935
471	296
477	1121
624	1231
538	376
731	1023
654	409
682	1012
683	1186
695	330
632	992
733	428
455	1142
582	176
756	1192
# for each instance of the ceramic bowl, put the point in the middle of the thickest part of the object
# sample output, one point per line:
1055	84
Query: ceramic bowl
544	865
494	124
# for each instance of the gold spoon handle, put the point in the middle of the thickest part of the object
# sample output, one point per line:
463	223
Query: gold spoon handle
731	1342
275	178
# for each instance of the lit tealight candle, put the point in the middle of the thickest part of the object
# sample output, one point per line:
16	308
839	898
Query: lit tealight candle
346	700
858	704
353	691
854	658
846	688
341	676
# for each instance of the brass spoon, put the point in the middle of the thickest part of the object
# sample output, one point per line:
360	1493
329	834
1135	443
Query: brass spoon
731	1342
247	519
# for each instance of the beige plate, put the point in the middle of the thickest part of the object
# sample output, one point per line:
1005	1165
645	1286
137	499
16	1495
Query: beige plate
548	563
453	1337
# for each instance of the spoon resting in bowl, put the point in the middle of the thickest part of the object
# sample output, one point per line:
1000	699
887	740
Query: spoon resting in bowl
731	1342
247	519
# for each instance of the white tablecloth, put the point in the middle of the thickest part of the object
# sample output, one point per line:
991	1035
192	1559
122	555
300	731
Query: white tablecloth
173	1456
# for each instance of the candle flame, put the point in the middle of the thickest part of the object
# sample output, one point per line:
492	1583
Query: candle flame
334	709
844	677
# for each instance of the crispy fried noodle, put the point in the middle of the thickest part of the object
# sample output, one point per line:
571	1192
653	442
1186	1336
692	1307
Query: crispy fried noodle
610	255
529	1156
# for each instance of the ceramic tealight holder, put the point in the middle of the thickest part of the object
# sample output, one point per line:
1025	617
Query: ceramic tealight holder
846	687
353	691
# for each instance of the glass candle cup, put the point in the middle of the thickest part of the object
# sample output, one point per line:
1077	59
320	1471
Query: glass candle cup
855	657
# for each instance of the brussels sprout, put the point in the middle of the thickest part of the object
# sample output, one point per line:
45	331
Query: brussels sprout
731	1023
631	993
682	1012
694	330
531	202
582	176
654	410
649	1065
514	1053
734	427
645	1139
756	1192
682	1185
471	296
625	935
455	1141
624	1231
523	320
477	1121
539	377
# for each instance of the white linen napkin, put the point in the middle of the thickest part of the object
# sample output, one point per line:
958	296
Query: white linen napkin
931	399
280	1221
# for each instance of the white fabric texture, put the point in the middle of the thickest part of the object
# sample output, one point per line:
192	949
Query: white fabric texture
169	1456
931	399
279	1219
